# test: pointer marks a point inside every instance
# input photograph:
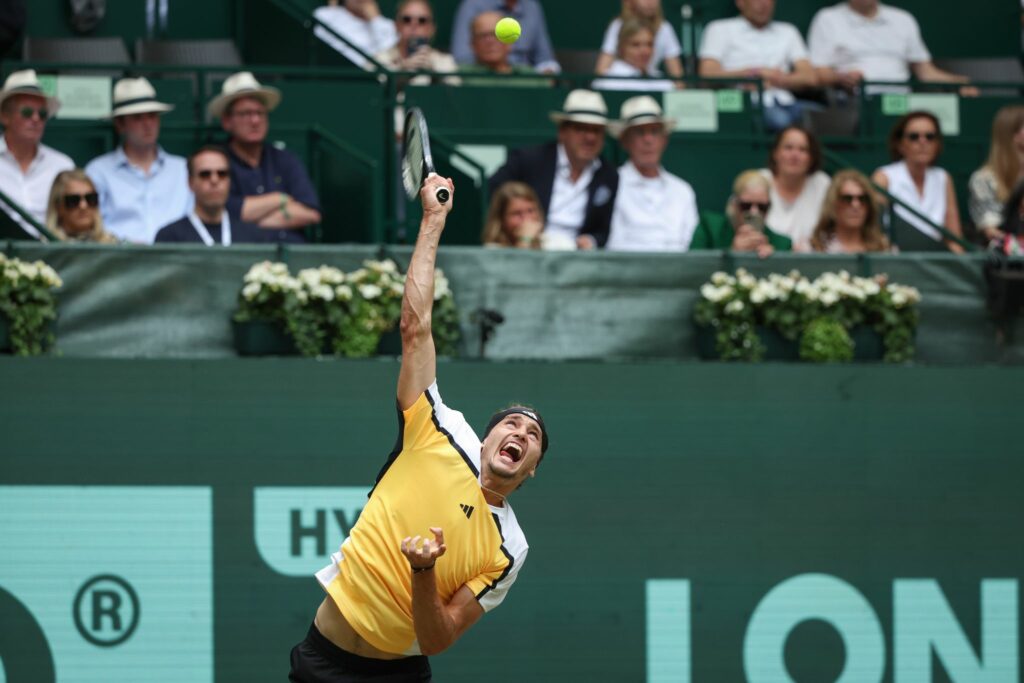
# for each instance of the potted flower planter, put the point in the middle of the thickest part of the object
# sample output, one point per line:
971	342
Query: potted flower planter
262	338
777	347
5	335
390	343
868	344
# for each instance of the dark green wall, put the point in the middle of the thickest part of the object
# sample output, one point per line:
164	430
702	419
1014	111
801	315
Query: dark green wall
733	477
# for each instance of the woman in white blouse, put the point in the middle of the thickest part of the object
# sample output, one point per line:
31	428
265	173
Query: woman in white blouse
798	185
666	46
635	59
915	144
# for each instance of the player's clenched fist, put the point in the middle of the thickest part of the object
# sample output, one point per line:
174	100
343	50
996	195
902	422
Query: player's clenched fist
424	556
428	195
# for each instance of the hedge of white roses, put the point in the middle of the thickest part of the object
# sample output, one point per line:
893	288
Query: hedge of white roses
28	304
327	310
735	306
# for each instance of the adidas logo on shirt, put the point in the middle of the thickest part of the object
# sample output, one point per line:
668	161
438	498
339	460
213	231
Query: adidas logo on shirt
467	509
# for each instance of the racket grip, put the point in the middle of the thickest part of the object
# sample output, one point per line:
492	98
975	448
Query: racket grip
443	195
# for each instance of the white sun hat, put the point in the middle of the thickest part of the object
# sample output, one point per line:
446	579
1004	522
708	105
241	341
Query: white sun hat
26	82
640	111
243	84
583	106
136	96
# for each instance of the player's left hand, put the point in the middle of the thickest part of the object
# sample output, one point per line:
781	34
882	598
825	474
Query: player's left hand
424	556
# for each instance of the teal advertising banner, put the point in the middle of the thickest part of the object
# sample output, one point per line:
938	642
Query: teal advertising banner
106	583
691	522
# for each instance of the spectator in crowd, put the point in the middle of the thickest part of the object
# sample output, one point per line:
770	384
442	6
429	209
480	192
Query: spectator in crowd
991	185
141	187
209	222
575	185
13	15
359	22
864	40
798	185
73	213
913	178
654	210
269	186
636	47
849	222
666	48
533	49
752	45
514	218
747	211
492	57
413	52
27	166
1011	232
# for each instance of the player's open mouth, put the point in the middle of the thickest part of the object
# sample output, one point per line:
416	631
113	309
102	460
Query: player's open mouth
512	451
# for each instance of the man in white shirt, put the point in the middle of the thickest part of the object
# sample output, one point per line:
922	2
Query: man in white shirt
654	210
864	40
27	166
359	22
576	187
752	45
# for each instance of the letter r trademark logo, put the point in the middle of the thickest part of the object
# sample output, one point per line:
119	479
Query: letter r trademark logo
106	610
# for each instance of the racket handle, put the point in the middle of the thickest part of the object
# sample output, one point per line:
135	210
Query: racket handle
443	195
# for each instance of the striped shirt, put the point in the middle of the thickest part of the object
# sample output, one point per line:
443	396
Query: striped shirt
432	478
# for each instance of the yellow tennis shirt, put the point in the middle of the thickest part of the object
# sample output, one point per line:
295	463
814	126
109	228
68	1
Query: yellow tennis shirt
431	479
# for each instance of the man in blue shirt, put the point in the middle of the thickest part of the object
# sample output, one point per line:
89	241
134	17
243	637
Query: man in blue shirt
269	186
141	187
533	48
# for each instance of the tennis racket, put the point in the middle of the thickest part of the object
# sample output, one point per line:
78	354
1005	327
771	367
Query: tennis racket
417	162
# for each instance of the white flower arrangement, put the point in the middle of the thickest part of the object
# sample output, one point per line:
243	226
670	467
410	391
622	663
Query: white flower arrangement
28	304
346	314
737	306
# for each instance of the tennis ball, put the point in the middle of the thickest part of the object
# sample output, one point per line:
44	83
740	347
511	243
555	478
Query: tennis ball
508	30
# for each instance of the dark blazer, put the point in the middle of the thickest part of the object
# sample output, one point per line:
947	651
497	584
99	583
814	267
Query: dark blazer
535	166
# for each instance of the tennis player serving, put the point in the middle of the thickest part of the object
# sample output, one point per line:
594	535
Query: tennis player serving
437	544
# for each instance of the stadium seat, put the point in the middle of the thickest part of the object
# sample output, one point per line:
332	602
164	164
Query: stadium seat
988	70
77	51
188	52
577	61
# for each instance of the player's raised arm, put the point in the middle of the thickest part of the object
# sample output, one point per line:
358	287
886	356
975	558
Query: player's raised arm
419	361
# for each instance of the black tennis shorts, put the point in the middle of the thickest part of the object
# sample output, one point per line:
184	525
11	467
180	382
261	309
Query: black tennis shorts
318	660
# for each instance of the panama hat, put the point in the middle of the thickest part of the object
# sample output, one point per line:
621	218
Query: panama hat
136	96
639	111
583	106
27	83
242	84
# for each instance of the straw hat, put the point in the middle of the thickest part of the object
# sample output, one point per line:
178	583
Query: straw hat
583	106
639	111
242	84
136	96
27	83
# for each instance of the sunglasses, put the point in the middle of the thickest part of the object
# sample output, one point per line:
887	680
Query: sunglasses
73	201
422	21
27	112
761	206
206	173
849	199
914	137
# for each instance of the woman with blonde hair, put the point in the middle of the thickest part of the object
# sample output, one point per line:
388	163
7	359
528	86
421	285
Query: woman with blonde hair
991	185
72	212
634	59
849	222
666	46
514	218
